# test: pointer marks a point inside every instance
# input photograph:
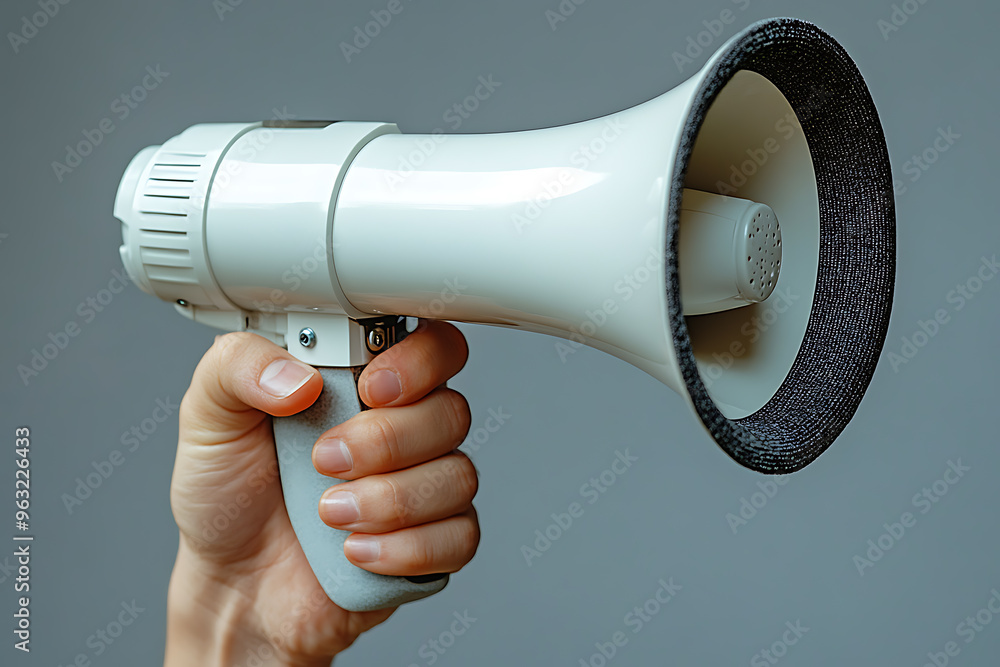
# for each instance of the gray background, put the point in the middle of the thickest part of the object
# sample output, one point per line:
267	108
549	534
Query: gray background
666	517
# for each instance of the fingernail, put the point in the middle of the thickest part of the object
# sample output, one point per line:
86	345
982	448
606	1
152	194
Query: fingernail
383	387
284	377
363	549
333	456
339	507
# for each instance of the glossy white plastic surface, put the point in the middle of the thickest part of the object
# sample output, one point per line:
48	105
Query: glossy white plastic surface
270	214
560	231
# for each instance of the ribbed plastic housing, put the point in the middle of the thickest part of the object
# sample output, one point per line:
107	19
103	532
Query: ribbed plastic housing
161	204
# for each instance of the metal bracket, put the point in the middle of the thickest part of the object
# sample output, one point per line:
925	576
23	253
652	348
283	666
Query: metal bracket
319	339
337	341
381	333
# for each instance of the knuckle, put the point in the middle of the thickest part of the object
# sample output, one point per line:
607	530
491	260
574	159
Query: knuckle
423	555
393	500
458	344
465	536
190	415
465	476
383	435
227	348
188	402
455	414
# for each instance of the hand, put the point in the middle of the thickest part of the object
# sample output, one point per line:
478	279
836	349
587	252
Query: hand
241	587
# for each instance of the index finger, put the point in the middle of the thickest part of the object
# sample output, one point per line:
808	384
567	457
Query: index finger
410	370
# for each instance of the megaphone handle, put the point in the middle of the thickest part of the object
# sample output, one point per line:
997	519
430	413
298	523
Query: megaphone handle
349	586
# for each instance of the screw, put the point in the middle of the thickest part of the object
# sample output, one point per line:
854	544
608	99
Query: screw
376	339
307	337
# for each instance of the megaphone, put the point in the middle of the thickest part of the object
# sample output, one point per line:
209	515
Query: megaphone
733	237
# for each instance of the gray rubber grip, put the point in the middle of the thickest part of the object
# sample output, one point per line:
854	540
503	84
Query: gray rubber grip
348	585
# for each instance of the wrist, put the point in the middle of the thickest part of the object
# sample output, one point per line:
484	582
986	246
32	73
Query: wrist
206	619
212	623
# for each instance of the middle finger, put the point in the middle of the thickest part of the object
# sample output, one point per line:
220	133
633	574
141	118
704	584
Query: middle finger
386	439
382	503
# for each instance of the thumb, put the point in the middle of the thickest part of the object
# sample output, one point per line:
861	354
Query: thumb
241	379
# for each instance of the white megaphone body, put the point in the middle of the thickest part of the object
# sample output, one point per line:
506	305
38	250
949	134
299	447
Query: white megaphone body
734	238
